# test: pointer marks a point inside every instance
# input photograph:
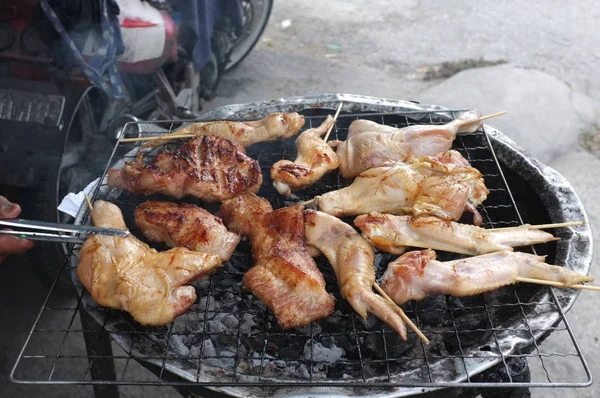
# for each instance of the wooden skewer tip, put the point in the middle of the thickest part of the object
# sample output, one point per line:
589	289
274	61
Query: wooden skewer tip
400	312
557	284
546	226
337	113
491	115
89	202
161	137
308	202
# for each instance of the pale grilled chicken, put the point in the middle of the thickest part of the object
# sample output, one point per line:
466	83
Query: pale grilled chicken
352	259
315	159
284	275
418	274
274	126
185	225
393	234
209	168
126	274
372	145
436	185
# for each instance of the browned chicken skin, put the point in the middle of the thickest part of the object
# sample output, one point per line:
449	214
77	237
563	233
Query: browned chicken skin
373	145
284	275
393	234
352	259
185	225
126	274
443	186
272	127
208	167
418	274
315	159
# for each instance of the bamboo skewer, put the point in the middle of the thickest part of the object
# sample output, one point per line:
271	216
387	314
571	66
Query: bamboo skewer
557	284
334	120
402	314
89	202
307	202
160	137
546	226
481	119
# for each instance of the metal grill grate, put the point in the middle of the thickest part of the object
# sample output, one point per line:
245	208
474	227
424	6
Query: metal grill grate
229	338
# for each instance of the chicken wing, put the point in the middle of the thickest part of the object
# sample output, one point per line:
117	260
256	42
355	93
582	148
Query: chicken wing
208	167
418	274
284	275
439	186
126	274
373	145
185	225
272	127
393	234
352	259
315	159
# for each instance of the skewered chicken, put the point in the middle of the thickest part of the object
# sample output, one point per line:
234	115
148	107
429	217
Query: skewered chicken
315	159
373	145
284	276
437	185
185	225
393	234
126	274
209	168
272	127
418	274
352	259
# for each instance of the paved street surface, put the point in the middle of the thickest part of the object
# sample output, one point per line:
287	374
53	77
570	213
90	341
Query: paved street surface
397	49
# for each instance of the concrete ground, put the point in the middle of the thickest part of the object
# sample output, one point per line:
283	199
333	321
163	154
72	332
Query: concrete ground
386	49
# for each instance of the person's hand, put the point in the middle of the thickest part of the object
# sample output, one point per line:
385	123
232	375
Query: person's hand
10	245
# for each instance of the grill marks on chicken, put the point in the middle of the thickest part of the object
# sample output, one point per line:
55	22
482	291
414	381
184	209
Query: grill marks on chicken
185	225
315	159
126	274
418	274
393	234
284	275
209	167
436	185
352	259
372	145
274	126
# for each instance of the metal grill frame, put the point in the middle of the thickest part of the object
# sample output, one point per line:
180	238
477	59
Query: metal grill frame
356	104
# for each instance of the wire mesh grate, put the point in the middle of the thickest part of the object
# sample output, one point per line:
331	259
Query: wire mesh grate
230	338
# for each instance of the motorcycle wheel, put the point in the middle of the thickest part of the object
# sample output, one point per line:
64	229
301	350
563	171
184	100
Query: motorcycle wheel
255	16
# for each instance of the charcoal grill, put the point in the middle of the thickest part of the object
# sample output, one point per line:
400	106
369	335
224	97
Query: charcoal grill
230	342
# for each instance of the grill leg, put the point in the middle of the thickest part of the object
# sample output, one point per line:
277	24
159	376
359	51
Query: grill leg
97	343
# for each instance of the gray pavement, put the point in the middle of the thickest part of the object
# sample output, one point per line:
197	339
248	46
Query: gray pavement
385	49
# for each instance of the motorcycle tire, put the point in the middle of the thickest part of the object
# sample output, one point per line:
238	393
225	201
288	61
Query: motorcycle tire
256	15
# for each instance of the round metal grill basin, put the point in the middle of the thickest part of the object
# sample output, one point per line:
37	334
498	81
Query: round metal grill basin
230	342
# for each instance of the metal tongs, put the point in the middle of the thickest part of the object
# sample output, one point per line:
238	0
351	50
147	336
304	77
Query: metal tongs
82	231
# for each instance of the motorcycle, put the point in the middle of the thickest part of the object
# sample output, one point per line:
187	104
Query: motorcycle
63	102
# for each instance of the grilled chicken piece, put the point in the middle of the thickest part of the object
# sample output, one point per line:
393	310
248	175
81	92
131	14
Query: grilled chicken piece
315	159
393	234
352	259
272	127
209	168
373	145
436	185
418	274
284	276
185	225
126	274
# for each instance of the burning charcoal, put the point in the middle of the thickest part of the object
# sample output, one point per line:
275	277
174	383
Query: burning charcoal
320	353
207	300
432	310
178	345
208	349
228	353
280	364
230	321
247	323
203	284
253	343
303	371
215	327
213	362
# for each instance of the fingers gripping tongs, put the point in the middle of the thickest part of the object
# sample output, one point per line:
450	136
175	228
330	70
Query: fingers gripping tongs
72	233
